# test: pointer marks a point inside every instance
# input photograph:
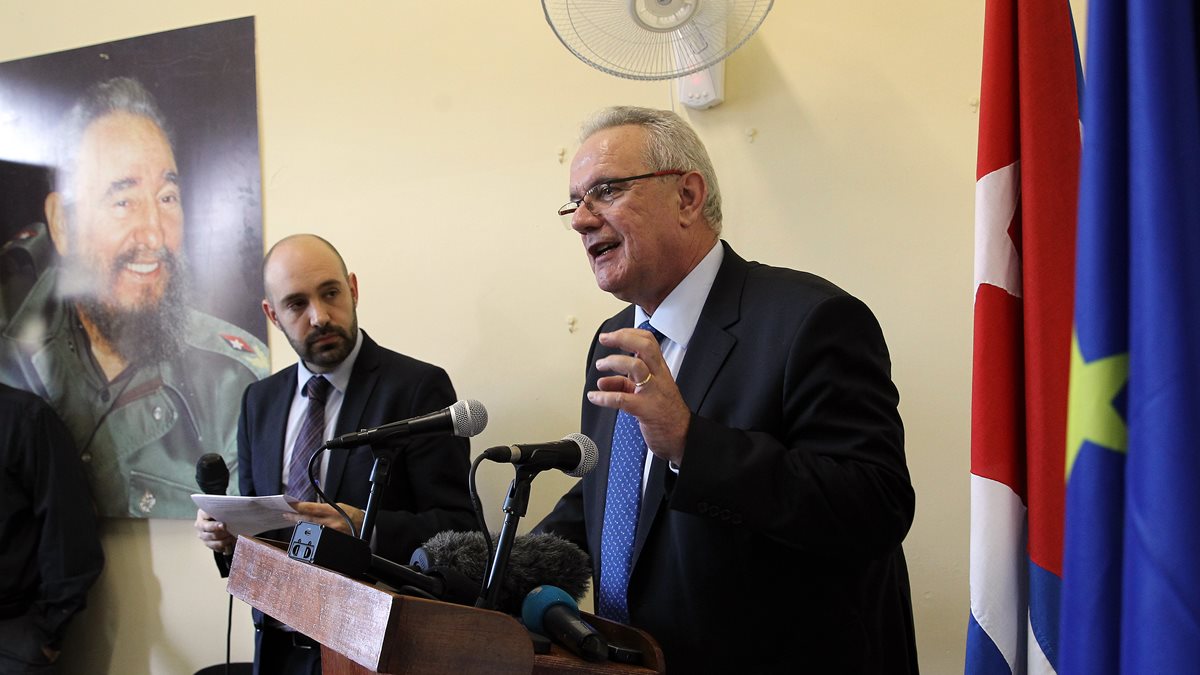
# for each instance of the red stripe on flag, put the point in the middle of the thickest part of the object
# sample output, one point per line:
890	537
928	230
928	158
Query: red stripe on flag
998	112
1029	111
1049	189
998	390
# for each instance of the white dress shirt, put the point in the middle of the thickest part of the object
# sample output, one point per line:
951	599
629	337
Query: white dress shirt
677	316
340	378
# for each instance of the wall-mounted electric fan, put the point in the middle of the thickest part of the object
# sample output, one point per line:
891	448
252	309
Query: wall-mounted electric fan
656	39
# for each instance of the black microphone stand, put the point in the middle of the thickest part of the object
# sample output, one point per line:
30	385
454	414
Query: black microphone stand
515	506
379	476
222	563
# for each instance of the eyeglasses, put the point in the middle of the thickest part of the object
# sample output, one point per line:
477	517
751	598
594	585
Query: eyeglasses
602	195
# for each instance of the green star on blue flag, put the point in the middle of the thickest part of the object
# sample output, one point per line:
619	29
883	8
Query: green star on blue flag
1131	570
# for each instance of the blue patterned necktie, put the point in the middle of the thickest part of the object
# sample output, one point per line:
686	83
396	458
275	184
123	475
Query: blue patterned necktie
312	435
622	504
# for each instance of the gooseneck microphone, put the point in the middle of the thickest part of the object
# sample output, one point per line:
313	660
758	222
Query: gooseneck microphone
536	559
212	475
575	455
464	418
550	611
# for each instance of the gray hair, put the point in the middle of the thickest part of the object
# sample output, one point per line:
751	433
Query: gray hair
116	95
670	144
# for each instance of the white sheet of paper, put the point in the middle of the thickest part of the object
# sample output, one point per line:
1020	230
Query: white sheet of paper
248	515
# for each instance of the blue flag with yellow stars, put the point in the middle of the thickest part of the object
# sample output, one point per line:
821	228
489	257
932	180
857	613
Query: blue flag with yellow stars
1131	569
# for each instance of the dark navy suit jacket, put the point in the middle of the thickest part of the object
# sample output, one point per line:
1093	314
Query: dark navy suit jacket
776	548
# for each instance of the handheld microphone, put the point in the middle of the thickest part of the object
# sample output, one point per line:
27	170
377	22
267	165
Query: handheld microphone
212	476
464	418
575	455
536	559
550	611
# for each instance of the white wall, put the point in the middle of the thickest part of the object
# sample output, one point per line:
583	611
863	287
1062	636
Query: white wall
424	140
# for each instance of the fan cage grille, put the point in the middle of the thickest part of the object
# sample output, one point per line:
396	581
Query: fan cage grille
604	35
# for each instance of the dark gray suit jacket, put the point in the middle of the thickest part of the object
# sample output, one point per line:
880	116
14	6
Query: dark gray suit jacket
776	548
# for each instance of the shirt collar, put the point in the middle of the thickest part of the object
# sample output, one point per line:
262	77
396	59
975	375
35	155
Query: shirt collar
339	377
678	314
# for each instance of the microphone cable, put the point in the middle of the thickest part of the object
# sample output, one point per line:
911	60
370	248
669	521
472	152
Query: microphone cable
316	485
228	634
477	505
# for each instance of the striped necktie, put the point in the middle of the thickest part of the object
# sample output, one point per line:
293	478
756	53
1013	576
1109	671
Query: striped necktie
312	435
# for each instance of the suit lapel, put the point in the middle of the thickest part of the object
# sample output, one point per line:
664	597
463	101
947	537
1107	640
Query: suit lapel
711	342
652	500
277	404
605	420
358	391
706	353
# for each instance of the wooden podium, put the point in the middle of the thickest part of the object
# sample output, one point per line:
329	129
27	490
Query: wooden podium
365	629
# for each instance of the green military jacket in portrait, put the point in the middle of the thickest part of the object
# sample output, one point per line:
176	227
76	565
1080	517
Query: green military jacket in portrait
141	434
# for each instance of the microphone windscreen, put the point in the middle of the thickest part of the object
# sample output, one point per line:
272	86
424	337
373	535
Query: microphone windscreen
540	599
587	455
469	417
212	475
536	560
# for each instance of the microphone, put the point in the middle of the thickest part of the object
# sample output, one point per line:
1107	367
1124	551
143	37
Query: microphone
213	478
548	610
575	455
464	418
536	559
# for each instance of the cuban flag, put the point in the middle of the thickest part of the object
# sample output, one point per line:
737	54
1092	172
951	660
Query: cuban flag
1025	204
